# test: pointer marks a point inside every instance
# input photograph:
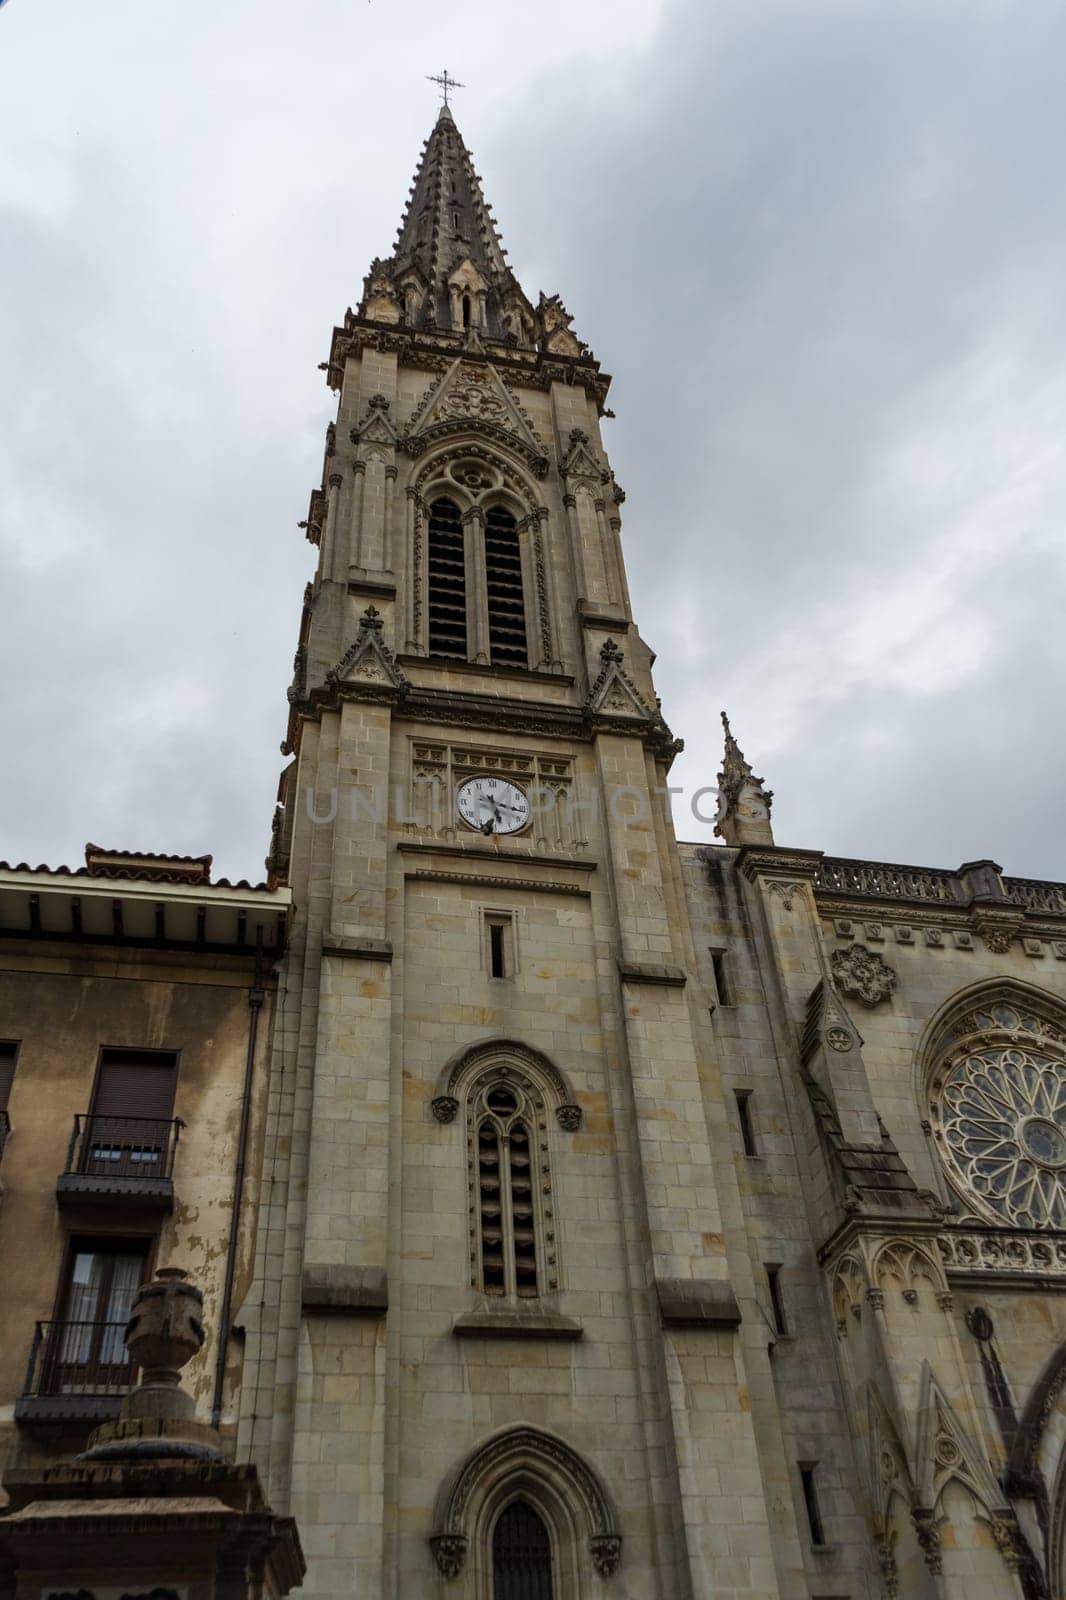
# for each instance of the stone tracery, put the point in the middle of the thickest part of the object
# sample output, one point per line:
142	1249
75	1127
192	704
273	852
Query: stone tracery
998	1111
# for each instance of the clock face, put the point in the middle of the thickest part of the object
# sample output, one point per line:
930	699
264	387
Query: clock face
492	805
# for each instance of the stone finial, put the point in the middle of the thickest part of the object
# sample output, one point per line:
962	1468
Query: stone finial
743	801
164	1332
157	1420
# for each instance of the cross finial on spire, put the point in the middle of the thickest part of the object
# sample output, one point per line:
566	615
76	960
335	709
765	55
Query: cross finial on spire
446	82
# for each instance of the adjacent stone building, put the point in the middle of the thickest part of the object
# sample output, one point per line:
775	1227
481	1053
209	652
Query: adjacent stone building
631	1218
136	1000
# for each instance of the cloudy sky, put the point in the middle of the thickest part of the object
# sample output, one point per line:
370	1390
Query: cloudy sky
821	245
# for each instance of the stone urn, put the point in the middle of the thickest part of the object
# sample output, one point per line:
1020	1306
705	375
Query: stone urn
164	1332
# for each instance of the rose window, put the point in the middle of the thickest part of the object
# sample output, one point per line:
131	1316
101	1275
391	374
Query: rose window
1002	1123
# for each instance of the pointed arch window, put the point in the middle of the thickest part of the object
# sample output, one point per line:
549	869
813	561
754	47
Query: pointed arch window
504	590
447	581
476	599
509	1222
521	1555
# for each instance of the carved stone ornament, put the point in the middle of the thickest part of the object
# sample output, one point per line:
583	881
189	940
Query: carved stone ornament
449	1551
568	1117
445	1107
523	1454
886	1556
980	1324
838	1039
1005	1533
928	1533
614	694
862	973
369	661
606	1551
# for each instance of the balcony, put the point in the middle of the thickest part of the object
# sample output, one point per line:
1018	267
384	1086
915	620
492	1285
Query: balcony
120	1160
78	1372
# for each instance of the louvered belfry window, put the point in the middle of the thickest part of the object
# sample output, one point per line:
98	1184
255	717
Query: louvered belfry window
521	1555
503	583
447	581
507	1206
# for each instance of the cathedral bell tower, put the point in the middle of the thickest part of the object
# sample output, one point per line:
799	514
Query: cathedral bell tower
493	1340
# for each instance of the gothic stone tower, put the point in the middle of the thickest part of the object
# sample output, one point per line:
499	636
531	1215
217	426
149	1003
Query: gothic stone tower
493	1327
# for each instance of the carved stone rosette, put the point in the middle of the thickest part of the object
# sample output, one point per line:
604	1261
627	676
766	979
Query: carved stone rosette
568	1117
445	1107
862	973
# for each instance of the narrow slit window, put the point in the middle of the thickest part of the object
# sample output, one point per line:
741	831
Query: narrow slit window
777	1303
810	1500
722	986
497	962
506	599
8	1056
447	581
466	299
747	1131
498	955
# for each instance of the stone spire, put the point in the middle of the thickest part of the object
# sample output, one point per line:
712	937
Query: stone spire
449	269
743	802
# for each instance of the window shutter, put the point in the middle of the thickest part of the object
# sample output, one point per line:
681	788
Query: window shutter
447	581
136	1083
503	581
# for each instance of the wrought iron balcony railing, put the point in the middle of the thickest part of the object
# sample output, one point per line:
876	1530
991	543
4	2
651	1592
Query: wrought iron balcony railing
132	1157
76	1370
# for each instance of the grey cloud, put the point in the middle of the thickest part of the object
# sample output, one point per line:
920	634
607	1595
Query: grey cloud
821	248
820	245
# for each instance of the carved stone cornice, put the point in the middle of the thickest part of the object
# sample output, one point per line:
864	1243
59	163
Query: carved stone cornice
697	1303
1003	1255
758	861
500	880
997	925
534	369
505	852
515	675
340	944
648	972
